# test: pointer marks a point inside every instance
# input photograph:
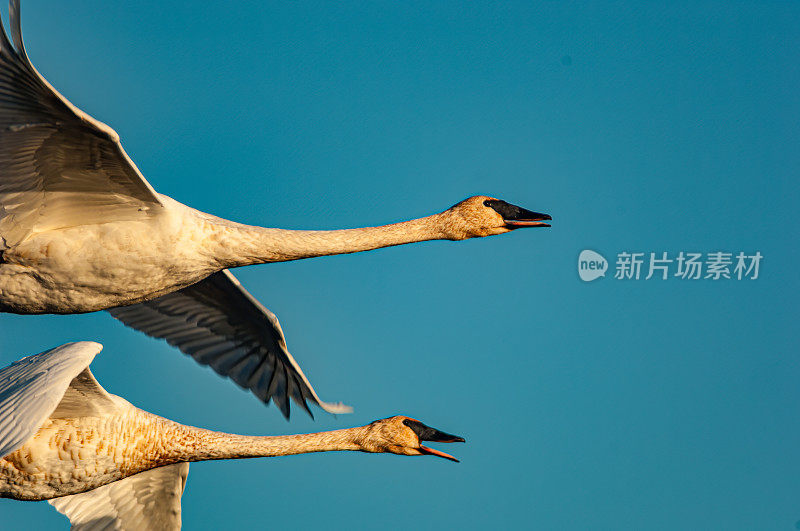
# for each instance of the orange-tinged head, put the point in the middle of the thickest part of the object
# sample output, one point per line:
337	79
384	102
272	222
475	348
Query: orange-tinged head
404	436
481	215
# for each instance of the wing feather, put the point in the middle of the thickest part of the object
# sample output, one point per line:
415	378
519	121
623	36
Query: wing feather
85	397
59	167
148	501
32	388
221	325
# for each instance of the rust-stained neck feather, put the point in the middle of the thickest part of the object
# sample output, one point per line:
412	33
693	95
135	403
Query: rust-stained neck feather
187	443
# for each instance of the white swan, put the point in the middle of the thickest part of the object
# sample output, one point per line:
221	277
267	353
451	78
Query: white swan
82	230
103	462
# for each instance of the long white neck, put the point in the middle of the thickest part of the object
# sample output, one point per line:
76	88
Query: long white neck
186	443
233	244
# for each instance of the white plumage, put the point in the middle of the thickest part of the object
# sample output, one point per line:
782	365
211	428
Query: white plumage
31	388
149	500
106	464
82	230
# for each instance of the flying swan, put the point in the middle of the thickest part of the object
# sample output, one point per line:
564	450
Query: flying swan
81	230
107	464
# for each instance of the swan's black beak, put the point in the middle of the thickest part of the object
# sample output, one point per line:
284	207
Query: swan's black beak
515	216
426	433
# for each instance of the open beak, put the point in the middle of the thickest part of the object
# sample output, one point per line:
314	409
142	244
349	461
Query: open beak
517	217
431	451
426	433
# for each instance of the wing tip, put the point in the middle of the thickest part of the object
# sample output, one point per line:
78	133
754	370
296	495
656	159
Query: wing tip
83	350
91	348
16	27
336	409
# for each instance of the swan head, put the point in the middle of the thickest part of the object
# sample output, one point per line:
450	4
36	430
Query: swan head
404	436
481	215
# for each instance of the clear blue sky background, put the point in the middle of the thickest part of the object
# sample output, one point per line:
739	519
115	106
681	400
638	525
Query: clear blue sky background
611	405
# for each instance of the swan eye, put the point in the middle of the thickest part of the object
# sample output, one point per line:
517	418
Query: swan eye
487	203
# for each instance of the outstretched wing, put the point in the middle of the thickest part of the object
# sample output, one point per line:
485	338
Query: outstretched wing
32	388
219	324
59	167
85	397
148	501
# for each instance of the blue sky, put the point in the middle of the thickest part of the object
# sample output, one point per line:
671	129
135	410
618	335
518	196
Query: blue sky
659	404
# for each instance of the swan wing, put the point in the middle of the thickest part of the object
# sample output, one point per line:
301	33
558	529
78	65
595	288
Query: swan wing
85	397
219	324
148	501
32	388
59	167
